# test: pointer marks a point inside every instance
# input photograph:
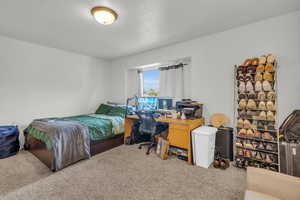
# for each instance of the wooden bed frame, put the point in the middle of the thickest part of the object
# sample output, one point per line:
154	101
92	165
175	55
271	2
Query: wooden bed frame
39	149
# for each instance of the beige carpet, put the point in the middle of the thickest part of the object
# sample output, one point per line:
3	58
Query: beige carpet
20	170
121	173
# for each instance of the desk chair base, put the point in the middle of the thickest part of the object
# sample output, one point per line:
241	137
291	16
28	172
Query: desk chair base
150	146
149	126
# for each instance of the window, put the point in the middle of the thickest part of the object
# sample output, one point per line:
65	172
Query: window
170	79
150	83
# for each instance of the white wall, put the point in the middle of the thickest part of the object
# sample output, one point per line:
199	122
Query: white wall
37	81
214	56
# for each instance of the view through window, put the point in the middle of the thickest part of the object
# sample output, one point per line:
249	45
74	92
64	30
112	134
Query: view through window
151	83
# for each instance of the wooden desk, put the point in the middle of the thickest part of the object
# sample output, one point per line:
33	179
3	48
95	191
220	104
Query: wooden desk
179	131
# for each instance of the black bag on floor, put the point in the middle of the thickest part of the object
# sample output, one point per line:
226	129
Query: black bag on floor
9	141
290	128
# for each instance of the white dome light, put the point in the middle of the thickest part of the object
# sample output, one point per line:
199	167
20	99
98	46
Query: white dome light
104	15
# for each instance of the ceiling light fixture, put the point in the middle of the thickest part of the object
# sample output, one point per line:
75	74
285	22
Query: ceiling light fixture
104	15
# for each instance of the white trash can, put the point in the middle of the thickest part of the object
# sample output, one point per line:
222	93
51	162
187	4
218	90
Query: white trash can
203	141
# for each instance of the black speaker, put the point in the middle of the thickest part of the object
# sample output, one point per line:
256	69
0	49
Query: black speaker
224	142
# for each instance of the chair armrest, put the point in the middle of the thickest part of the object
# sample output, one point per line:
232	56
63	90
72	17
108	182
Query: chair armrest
272	183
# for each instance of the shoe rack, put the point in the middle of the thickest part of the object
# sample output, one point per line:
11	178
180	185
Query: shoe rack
256	134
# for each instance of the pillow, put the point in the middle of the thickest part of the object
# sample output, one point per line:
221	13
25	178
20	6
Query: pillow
117	111
104	109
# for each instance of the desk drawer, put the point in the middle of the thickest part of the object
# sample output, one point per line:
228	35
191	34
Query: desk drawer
128	127
180	126
179	137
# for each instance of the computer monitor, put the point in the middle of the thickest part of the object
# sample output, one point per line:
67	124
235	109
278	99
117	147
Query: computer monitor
165	103
147	103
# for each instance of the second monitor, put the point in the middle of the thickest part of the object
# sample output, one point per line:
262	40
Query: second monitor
165	103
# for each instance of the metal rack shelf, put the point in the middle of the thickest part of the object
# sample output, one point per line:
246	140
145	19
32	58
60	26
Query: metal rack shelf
266	130
249	118
247	158
271	123
256	139
259	150
259	129
256	109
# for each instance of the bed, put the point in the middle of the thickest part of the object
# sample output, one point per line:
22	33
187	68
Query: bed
105	131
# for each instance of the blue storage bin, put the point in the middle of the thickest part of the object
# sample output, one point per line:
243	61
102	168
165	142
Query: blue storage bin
9	141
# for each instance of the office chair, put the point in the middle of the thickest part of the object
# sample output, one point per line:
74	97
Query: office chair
148	125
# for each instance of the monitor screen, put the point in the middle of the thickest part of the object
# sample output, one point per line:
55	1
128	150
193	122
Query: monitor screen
165	103
147	103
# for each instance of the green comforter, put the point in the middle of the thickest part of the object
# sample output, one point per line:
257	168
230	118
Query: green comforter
100	127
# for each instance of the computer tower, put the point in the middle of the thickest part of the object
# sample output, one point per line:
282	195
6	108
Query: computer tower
224	142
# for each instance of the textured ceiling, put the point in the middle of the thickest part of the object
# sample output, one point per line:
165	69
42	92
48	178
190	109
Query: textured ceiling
142	24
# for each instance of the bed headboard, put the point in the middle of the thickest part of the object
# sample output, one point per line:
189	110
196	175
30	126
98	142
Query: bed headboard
115	103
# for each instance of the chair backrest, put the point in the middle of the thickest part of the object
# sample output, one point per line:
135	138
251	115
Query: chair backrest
147	122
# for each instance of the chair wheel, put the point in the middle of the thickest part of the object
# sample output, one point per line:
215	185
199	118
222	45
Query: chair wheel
140	147
147	153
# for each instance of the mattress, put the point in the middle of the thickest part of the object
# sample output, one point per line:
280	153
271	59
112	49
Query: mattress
100	127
